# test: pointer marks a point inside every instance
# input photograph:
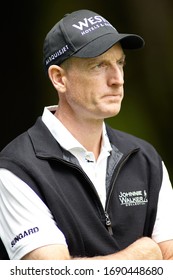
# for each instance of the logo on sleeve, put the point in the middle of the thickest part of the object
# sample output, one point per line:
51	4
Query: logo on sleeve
24	234
133	198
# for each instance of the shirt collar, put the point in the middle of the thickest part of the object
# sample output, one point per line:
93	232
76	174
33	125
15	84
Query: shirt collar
63	136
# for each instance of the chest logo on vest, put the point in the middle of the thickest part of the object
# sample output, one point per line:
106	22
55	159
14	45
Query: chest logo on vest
133	198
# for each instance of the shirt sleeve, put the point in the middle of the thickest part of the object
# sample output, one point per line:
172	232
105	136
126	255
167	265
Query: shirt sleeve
26	223
163	228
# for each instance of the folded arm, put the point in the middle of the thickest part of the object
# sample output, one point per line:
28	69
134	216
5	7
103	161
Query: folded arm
142	249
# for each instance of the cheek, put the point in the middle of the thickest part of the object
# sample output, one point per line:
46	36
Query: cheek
79	88
85	89
76	93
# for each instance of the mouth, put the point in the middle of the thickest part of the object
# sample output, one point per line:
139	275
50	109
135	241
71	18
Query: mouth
112	96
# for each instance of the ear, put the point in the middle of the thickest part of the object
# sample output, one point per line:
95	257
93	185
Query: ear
57	77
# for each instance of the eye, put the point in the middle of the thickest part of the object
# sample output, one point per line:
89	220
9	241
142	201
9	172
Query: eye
100	65
122	62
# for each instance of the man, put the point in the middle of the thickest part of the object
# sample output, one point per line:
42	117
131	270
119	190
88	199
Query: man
71	186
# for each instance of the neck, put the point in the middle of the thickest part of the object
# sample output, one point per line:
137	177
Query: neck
87	132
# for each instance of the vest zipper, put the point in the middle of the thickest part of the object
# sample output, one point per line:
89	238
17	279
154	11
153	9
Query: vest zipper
83	173
108	220
107	217
108	223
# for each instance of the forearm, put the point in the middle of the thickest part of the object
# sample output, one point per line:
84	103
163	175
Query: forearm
49	252
143	249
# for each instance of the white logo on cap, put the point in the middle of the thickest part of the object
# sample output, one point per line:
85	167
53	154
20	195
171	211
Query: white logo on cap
92	23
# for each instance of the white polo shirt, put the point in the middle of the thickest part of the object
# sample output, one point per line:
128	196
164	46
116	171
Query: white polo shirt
96	170
23	213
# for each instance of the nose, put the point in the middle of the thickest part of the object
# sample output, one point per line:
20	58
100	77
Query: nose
116	75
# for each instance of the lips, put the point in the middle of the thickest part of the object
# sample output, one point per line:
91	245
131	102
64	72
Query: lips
112	96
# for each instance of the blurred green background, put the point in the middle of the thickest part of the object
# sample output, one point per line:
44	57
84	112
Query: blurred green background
147	108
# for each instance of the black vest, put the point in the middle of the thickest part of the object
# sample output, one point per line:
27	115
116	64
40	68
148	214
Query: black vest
134	178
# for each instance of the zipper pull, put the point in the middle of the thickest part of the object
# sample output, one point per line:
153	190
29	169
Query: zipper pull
108	223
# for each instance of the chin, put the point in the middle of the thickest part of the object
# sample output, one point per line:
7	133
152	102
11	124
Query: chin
107	111
109	115
112	113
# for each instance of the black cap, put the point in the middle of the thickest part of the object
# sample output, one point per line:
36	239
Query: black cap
84	33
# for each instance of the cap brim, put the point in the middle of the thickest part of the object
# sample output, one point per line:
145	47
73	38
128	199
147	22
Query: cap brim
105	42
